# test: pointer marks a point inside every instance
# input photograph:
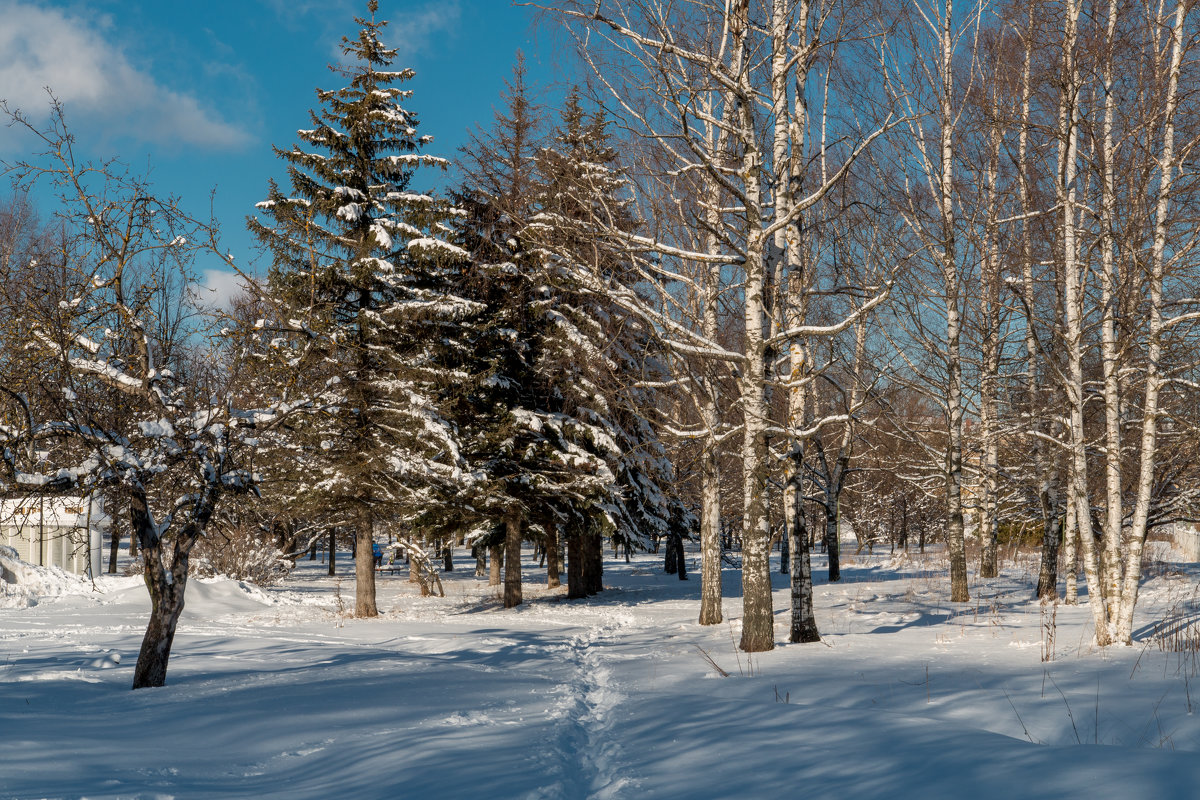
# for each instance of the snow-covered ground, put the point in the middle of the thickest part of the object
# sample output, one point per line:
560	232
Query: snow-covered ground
277	693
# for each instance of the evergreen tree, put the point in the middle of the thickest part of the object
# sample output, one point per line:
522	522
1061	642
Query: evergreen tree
363	267
607	361
539	467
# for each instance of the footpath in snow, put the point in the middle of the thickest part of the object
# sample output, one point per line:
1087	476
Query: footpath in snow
277	693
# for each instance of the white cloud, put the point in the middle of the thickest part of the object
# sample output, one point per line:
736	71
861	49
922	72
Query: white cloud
411	28
220	287
50	48
414	31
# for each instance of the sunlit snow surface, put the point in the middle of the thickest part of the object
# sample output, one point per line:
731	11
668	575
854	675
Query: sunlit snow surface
274	693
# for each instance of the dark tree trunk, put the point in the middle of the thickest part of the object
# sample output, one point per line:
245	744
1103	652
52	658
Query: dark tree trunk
1047	586
553	557
832	544
593	563
785	558
166	585
114	548
448	558
497	566
364	568
575	569
512	562
671	557
312	550
285	540
804	621
680	560
332	550
166	604
480	554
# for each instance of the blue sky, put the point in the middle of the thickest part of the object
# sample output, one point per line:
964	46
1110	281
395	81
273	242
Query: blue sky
197	92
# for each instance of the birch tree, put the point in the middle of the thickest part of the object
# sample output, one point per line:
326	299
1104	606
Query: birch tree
685	55
924	80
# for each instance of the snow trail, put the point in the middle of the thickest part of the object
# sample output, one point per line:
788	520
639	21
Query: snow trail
585	756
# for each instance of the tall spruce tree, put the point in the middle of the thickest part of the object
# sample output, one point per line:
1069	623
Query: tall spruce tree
606	361
365	274
538	466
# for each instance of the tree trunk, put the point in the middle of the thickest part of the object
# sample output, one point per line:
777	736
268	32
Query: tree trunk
1071	557
989	406
332	550
166	587
497	565
955	538
833	545
480	554
593	563
165	584
670	559
710	533
512	562
785	554
448	558
680	559
575	586
1073	333
166	604
114	548
1047	588
803	620
1110	347
364	567
553	557
1156	376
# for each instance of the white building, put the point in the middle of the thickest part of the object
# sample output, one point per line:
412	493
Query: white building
1187	541
64	532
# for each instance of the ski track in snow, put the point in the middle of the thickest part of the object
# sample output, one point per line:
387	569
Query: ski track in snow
586	757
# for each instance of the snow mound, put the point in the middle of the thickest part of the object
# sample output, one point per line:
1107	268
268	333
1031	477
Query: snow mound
23	584
218	596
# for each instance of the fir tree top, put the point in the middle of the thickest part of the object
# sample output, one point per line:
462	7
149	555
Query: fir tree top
350	208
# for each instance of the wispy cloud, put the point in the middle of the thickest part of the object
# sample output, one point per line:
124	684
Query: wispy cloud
414	31
412	27
46	48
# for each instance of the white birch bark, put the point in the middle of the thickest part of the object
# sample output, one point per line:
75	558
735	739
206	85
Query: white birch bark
955	538
758	619
710	473
1148	450
989	312
1110	356
1068	145
1071	554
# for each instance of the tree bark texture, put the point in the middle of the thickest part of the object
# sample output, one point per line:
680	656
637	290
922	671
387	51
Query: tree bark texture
496	569
553	557
575	570
512	562
364	568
